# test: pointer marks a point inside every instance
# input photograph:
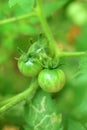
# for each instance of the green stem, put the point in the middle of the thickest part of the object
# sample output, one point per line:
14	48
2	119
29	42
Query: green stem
5	101
46	29
65	54
20	97
17	18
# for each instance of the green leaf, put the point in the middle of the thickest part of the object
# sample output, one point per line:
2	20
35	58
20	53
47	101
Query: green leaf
12	2
26	5
85	125
80	112
52	6
27	29
80	88
80	43
83	64
27	127
4	56
75	125
41	113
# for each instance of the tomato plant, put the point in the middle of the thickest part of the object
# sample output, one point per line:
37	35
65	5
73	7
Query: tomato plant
45	86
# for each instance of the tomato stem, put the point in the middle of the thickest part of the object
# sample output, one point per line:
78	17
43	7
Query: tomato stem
64	54
29	93
40	13
17	18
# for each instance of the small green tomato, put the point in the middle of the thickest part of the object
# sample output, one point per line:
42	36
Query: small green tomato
28	67
51	80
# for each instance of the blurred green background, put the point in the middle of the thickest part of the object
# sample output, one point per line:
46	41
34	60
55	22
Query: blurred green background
70	36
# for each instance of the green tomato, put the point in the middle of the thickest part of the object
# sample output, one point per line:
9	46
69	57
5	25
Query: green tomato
28	67
77	13
51	80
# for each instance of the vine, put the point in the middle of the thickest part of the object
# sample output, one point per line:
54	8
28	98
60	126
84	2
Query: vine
54	49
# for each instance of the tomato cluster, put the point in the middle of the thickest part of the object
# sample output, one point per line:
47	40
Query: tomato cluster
50	78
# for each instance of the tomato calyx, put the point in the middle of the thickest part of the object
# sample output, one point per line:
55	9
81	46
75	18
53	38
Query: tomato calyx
38	46
49	62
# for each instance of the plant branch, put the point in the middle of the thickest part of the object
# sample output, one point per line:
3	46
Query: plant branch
46	29
17	18
65	54
29	93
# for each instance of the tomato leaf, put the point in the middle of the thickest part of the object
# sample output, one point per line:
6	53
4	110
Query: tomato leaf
80	87
41	112
51	7
26	5
27	127
82	65
12	2
75	125
80	111
27	29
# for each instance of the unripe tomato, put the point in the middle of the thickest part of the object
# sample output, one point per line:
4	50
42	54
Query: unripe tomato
29	68
51	80
77	13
